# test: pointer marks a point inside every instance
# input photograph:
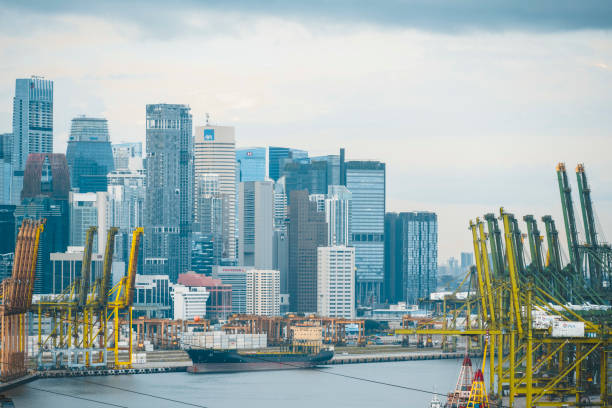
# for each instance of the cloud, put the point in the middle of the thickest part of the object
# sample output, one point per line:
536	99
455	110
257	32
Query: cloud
166	19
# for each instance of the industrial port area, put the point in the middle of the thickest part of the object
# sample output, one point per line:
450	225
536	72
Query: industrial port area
540	327
267	204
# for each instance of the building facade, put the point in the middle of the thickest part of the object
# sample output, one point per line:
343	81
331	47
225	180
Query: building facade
276	157
256	220
205	252
88	210
336	206
219	303
128	155
336	281
189	302
89	154
366	182
252	163
215	153
263	292
307	231
152	296
32	126
411	261
235	276
169	188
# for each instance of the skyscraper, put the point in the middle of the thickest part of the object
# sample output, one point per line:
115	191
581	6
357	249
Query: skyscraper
304	175
215	153
252	162
307	231
126	204
333	167
336	206
5	168
263	292
169	184
256	217
467	260
411	260
336	281
88	210
128	155
89	154
46	184
276	157
32	126
366	181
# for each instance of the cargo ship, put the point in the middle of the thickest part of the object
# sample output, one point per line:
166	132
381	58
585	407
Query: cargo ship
303	350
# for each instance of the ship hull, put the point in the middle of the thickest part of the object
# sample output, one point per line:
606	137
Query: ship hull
227	361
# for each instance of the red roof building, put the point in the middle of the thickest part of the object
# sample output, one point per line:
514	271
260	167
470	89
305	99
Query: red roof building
219	304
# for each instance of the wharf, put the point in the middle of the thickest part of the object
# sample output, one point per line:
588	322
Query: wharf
388	357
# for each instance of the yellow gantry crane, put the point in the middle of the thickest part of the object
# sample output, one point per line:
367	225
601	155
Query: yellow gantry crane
540	348
87	319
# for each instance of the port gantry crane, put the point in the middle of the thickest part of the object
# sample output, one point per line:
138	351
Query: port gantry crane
16	299
548	325
87	320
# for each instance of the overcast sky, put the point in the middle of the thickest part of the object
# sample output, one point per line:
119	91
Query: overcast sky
470	103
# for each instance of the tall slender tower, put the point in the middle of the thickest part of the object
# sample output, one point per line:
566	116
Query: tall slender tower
32	126
169	184
215	153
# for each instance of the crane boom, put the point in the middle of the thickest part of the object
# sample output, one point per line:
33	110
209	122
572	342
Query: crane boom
107	268
569	217
587	206
86	266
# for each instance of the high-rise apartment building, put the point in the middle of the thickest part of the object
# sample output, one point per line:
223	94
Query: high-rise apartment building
307	231
411	260
32	126
215	153
366	181
336	206
89	154
169	187
252	163
256	217
5	168
276	157
336	281
126	204
263	292
88	210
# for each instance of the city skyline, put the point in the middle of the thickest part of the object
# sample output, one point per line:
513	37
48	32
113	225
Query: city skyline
490	105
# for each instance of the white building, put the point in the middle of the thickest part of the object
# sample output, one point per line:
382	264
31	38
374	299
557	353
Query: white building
189	302
256	217
215	152
263	292
88	210
336	281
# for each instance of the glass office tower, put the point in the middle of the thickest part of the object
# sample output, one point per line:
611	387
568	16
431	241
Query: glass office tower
252	162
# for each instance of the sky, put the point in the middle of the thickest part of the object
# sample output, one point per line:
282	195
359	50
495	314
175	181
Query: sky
471	104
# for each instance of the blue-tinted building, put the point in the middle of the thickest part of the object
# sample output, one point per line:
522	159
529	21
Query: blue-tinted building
206	250
276	157
252	162
366	181
89	154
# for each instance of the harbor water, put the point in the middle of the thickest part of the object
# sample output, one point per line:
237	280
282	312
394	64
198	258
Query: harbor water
326	387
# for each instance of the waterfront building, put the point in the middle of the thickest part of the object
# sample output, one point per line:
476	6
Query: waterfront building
169	189
276	157
307	231
128	156
336	281
411	263
66	269
252	163
32	127
263	292
235	276
219	303
205	252
256	217
46	184
89	154
336	206
215	153
189	302
152	296
88	210
366	181
125	209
